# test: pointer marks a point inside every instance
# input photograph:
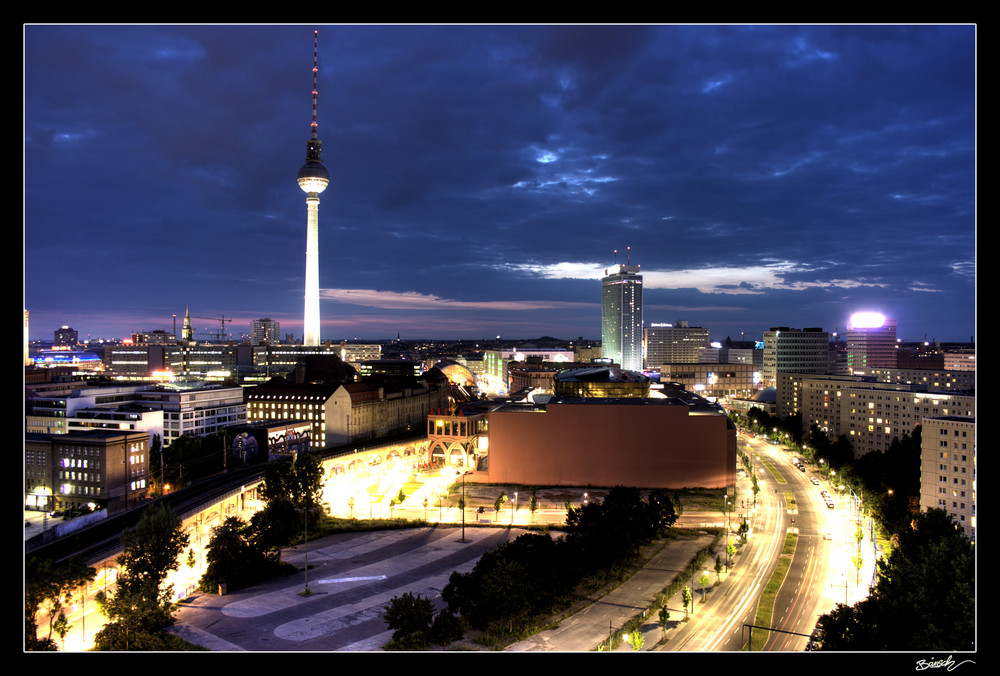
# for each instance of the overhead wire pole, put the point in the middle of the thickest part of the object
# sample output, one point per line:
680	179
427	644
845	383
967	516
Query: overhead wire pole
751	627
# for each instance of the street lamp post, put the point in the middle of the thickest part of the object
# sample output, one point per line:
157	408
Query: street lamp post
728	531
463	505
305	528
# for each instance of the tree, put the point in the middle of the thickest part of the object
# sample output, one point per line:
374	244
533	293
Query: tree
298	481
664	617
636	639
273	527
662	515
499	502
229	556
519	578
704	580
718	568
141	606
446	628
409	616
533	505
687	599
54	584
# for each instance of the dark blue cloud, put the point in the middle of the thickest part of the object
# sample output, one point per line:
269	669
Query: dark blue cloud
828	166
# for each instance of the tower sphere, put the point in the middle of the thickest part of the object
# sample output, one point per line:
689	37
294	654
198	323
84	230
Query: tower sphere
313	177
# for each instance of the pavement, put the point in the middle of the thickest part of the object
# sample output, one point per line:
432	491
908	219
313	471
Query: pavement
353	576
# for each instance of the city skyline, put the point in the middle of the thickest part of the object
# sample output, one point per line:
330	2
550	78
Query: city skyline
481	177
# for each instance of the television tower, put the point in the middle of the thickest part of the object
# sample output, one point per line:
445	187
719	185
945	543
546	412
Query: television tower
313	179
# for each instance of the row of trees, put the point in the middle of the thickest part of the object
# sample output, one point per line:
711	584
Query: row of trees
534	573
51	587
138	610
888	483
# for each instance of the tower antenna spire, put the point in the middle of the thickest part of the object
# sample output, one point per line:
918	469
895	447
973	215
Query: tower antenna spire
315	127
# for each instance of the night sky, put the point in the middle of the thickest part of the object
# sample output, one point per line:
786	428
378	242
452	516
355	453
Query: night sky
482	177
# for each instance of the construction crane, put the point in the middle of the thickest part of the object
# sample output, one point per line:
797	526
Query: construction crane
221	335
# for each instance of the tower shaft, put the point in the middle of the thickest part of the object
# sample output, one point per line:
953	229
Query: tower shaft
311	326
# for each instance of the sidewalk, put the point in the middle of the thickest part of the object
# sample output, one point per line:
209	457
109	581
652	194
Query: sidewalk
592	625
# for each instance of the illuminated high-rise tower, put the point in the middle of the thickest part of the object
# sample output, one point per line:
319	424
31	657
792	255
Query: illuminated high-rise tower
621	316
313	179
871	342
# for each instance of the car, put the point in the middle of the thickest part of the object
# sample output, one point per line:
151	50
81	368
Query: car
815	481
828	536
829	504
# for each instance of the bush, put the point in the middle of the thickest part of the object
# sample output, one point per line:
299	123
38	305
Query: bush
409	616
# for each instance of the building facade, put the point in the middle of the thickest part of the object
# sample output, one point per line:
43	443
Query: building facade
350	412
265	331
496	376
168	410
870	414
64	336
104	468
456	437
621	317
794	351
676	343
600	381
948	469
714	380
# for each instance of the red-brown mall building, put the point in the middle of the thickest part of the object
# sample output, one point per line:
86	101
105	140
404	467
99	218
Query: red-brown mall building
672	442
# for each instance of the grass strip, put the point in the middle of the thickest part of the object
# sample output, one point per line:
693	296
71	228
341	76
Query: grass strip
765	606
774	472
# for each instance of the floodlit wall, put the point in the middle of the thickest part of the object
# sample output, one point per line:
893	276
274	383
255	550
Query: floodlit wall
646	444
